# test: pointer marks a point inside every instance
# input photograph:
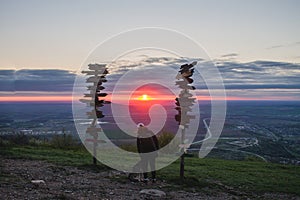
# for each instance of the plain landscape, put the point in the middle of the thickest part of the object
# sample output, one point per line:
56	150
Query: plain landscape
257	156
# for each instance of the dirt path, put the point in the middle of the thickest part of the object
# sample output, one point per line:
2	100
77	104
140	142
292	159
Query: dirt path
64	182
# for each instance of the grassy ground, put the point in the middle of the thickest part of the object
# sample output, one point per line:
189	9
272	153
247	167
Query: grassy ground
245	176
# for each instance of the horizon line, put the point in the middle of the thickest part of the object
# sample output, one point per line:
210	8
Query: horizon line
70	99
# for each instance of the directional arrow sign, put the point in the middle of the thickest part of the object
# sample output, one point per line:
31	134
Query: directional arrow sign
92	87
100	88
96	66
186	119
181	84
101	94
95	79
96	73
87	101
89	95
91	114
93	130
185	94
186	109
186	103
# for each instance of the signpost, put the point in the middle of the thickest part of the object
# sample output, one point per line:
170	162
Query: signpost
97	75
184	105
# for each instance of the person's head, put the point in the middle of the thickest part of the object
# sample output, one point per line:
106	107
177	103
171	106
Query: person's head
140	125
142	129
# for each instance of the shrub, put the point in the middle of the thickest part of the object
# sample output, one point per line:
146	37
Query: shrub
129	147
4	142
253	158
165	139
35	142
63	141
19	139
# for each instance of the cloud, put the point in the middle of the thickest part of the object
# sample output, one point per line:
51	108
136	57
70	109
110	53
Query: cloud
6	74
36	80
229	55
121	66
275	46
283	45
296	43
261	76
7	78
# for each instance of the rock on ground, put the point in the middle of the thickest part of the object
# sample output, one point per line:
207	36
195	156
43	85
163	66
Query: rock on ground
153	193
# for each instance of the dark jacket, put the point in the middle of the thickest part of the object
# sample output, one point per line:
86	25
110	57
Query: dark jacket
147	145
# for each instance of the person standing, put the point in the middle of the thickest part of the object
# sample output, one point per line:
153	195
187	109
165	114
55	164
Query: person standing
147	145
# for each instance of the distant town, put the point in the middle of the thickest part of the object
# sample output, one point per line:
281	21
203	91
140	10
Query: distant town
267	131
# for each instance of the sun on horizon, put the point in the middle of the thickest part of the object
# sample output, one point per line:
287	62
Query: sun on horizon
144	97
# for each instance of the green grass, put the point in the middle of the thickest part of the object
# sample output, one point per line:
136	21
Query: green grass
242	175
58	156
245	176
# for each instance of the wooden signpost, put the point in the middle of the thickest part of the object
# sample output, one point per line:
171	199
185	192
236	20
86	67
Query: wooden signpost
184	105
97	75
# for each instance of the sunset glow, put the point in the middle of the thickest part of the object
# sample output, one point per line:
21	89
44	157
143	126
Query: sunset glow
144	97
35	98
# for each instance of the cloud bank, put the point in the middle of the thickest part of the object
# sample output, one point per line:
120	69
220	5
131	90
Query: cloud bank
52	80
252	79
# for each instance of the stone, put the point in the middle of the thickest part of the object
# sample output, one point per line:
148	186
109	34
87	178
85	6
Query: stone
153	193
38	182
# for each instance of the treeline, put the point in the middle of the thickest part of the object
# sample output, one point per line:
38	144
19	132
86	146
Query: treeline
65	141
62	141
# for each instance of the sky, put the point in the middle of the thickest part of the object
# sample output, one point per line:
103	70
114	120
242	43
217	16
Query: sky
255	44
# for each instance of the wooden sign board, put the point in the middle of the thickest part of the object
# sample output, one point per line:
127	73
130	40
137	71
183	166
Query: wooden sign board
95	79
93	130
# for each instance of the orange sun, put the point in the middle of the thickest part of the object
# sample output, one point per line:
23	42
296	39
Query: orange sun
144	97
